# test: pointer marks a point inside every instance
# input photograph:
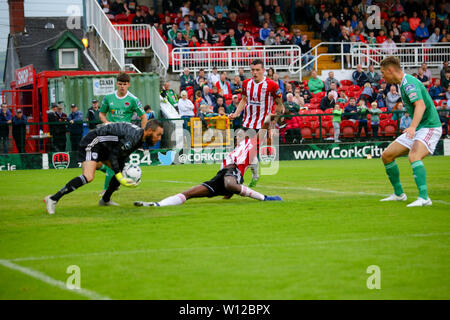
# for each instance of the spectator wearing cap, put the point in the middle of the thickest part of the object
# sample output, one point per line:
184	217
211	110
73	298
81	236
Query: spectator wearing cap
75	127
93	115
59	138
19	125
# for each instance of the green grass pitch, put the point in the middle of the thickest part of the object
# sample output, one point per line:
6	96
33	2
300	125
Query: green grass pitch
317	244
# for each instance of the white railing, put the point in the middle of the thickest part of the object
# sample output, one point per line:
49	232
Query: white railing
160	49
131	67
135	36
96	18
232	58
410	55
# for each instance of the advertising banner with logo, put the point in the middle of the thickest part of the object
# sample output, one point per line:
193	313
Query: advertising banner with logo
101	87
24	76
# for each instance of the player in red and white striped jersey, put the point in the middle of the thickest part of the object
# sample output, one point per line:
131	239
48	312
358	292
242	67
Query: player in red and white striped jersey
228	180
259	95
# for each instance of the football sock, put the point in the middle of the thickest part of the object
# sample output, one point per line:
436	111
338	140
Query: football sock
247	192
420	176
394	176
173	200
113	185
72	185
255	169
109	175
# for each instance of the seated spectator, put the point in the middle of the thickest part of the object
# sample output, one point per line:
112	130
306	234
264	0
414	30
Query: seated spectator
436	91
297	37
367	92
220	8
283	37
208	97
241	74
232	21
405	121
422	32
223	86
198	100
279	18
172	33
185	108
179	41
381	37
381	95
185	8
404	26
239	33
152	18
186	21
201	74
138	18
333	91
203	34
186	80
446	80
270	40
359	77
290	105
371	39
400	110
236	85
392	98
248	40
435	37
230	40
276	78
205	111
423	78
373	77
343	99
237	122
288	89
119	7
298	99
220	103
213	77
389	47
414	22
194	43
351	108
426	71
315	85
169	94
188	33
222	111
104	4
327	102
167	25
444	68
331	79
264	32
220	25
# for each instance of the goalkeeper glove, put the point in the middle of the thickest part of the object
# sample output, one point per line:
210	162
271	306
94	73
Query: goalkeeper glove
124	181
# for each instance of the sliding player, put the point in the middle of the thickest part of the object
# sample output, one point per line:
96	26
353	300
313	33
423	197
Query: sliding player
258	97
418	140
229	179
109	144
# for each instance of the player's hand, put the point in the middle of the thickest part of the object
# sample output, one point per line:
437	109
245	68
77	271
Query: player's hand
233	116
124	181
410	132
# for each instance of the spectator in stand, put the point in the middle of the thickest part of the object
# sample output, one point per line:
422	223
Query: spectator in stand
194	43
230	40
186	21
422	32
443	69
319	18
93	115
208	97
104	4
270	41
327	102
75	127
279	18
297	37
185	108
331	79
179	41
19	125
248	41
362	122
332	34
381	37
374	119
359	77
167	25
186	80
398	8
276	78
61	128
446	80
220	25
305	47
423	78
345	37
400	110
305	93
202	34
169	94
201	74
290	105
119	7
270	73
371	39
405	121
289	89
185	8
220	104
435	37
392	97
223	86
237	122
264	32
404	26
198	102
352	109
232	22
343	99
426	71
150	114
239	33
241	74
138	18
198	20
381	95
315	84
220	8
367	92
236	85
443	116
152	18
337	116
172	33
298	99
213	76
211	17
188	33
389	47
414	22
436	91
373	77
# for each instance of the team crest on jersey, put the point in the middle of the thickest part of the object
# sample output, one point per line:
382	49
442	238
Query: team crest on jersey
127	104
267	153
61	160
412	95
409	87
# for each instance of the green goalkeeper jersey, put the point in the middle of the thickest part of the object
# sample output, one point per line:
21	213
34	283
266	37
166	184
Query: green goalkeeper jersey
121	109
412	90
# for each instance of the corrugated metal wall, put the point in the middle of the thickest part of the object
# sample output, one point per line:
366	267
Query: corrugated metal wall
80	90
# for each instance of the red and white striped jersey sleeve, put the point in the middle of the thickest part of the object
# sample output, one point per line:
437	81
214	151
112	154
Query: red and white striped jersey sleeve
244	153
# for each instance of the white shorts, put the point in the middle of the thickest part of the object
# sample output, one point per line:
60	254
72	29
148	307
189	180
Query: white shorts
428	136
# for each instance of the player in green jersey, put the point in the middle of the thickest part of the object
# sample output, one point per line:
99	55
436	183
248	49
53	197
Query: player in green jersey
418	140
119	106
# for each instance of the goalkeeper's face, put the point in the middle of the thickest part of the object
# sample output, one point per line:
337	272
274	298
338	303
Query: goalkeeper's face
153	136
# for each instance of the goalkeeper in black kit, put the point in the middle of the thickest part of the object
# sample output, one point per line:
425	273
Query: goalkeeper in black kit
109	144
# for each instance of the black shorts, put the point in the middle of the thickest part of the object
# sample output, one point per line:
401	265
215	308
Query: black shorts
216	185
91	150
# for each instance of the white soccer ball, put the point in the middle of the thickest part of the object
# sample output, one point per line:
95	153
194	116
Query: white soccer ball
132	172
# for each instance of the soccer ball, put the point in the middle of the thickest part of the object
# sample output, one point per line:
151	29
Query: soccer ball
132	172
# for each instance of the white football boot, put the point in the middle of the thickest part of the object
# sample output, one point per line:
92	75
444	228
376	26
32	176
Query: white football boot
394	197
146	204
50	204
102	203
420	202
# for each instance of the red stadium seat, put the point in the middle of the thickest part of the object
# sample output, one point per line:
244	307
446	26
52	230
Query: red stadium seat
348	128
306	130
320	95
388	128
347	83
328	125
317	129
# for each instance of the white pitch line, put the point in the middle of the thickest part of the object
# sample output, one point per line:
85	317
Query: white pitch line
53	282
308	189
243	246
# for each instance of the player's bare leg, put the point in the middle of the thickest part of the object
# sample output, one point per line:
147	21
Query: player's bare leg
388	157
88	175
199	191
232	186
418	152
